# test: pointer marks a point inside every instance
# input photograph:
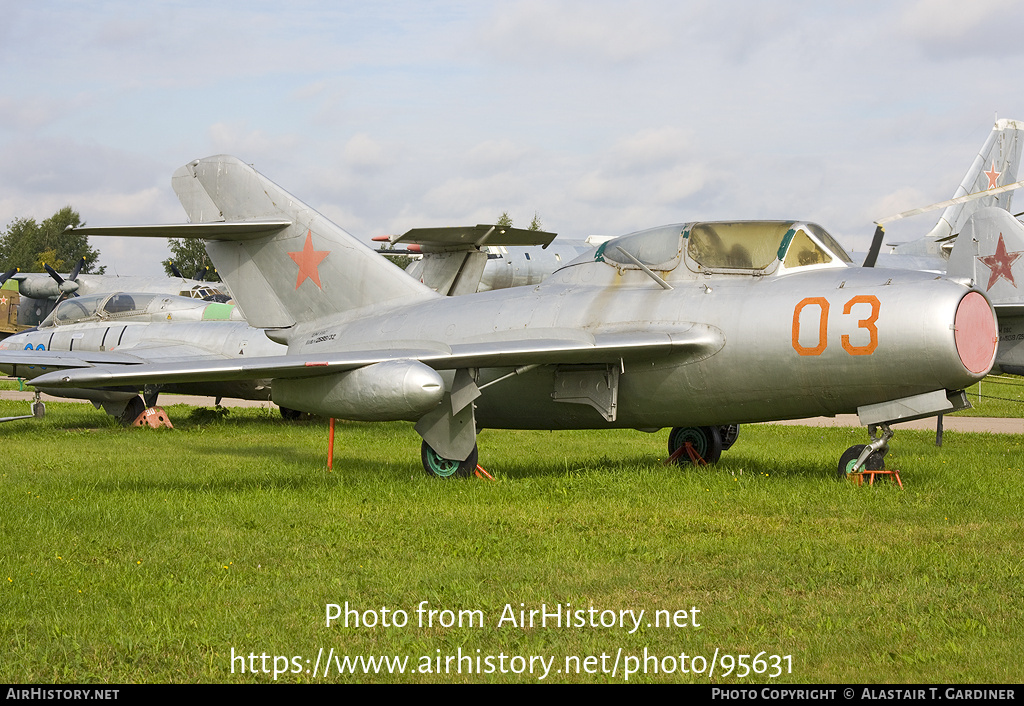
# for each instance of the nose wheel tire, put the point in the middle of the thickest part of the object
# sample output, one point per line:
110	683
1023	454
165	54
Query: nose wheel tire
706	441
874	462
440	467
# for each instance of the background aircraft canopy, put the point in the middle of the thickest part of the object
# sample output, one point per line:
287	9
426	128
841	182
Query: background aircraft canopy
137	307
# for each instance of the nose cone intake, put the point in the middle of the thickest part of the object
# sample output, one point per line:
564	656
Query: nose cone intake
975	333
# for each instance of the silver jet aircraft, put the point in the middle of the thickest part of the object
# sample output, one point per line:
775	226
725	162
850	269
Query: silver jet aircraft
994	169
989	254
692	326
133	328
464	260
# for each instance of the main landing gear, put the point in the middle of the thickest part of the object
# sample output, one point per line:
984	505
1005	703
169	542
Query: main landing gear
436	465
707	442
132	411
866	457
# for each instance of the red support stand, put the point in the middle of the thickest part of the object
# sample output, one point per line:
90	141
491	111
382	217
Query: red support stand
871	475
688	449
330	446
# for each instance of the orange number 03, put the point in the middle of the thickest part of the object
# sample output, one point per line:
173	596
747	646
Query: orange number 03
867	324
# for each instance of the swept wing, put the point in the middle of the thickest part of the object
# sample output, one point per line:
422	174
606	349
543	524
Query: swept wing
561	347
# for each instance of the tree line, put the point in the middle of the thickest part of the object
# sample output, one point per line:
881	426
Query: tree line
28	245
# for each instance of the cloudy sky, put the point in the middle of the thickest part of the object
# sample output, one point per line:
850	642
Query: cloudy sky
602	117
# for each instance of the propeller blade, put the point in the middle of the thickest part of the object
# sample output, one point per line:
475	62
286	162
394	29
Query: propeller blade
53	273
7	275
876	246
200	274
78	268
174	270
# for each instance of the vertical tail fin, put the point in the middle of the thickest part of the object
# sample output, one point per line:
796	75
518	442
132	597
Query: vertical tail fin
990	251
995	165
296	273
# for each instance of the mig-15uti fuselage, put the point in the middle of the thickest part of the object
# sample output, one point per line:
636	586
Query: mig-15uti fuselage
695	326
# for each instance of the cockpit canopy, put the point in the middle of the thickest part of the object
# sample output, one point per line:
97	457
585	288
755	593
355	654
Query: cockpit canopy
728	247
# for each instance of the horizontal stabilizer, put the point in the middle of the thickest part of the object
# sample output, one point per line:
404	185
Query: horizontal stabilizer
1009	311
221	230
463	237
951	202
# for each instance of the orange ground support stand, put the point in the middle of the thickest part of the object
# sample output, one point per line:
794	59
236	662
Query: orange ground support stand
688	449
871	475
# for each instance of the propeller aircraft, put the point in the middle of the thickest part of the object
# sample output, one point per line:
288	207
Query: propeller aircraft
41	291
51	285
693	326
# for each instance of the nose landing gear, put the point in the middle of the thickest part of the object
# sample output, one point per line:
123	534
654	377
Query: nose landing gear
866	457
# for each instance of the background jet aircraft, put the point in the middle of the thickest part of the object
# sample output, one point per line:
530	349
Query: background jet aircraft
995	166
464	260
134	328
523	266
691	326
990	254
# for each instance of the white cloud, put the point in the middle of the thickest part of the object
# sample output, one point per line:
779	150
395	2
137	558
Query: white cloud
951	29
492	155
363	153
248	144
951	19
580	32
653	148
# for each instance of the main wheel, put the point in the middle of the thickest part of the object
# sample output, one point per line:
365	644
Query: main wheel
132	410
848	460
730	432
437	465
706	441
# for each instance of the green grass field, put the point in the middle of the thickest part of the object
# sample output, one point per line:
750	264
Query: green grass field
996	396
154	555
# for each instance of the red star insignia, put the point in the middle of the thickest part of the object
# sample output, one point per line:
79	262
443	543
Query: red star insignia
308	261
3	301
1001	263
992	175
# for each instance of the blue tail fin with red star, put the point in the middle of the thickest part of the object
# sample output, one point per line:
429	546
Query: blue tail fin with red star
301	267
